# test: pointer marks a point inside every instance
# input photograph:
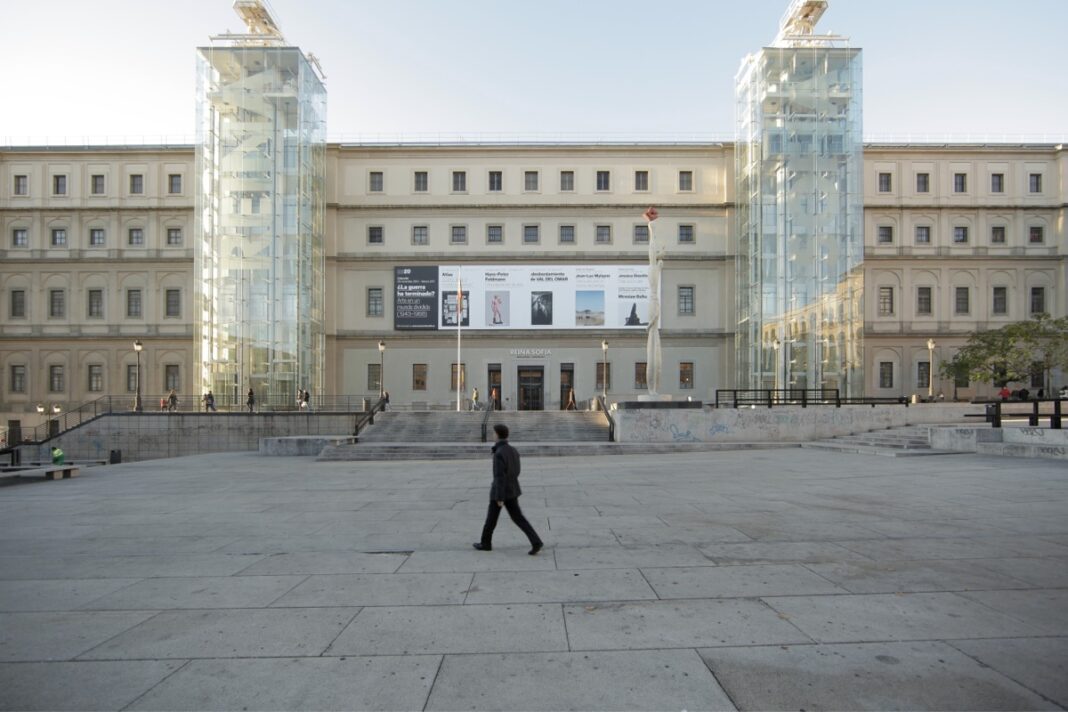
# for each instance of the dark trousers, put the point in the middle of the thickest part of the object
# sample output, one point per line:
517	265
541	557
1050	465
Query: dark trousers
494	512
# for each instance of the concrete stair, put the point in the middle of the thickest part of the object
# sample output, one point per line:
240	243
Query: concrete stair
481	451
909	441
405	428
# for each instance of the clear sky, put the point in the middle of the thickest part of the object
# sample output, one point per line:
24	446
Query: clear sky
594	68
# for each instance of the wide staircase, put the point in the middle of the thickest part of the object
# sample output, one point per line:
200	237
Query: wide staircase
895	442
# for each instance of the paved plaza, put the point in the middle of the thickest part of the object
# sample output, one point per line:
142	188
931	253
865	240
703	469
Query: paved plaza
766	579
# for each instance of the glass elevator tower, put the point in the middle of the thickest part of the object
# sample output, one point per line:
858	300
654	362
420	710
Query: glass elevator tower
259	262
798	173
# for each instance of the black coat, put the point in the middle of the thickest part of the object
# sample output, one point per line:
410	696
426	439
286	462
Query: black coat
505	472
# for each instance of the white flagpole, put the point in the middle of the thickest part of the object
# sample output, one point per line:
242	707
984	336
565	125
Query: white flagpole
459	321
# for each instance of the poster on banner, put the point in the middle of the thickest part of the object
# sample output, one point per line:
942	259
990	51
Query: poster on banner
509	297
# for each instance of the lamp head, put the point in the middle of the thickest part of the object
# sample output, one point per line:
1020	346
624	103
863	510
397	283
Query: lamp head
138	345
604	345
56	408
930	344
381	346
40	408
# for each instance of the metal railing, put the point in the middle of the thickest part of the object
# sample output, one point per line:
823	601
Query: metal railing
995	411
368	418
609	418
804	397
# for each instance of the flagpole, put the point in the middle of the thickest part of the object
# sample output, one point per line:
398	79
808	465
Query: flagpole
459	321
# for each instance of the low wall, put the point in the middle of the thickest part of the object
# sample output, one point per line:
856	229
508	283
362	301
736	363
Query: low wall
778	424
1011	441
149	436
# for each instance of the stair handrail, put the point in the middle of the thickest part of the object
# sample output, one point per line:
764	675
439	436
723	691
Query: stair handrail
368	418
609	418
485	420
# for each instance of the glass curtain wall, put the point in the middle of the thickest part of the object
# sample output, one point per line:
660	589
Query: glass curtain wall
798	167
259	267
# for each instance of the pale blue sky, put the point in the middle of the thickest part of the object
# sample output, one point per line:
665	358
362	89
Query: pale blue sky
589	67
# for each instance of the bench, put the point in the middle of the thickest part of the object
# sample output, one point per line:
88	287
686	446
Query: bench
52	472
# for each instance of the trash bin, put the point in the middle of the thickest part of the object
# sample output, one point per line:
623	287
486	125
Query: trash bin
990	408
116	457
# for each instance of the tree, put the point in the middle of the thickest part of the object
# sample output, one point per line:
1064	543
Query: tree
1013	352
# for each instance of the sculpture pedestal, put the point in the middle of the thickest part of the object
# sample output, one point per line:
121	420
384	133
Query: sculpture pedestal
654	399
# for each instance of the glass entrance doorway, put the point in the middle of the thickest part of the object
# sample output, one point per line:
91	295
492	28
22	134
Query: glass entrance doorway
531	388
567	383
493	379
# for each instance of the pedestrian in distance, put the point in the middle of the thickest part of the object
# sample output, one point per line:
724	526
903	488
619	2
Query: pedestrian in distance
504	493
209	401
250	401
172	401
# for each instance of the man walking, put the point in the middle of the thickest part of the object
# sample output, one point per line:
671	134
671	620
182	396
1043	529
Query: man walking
505	493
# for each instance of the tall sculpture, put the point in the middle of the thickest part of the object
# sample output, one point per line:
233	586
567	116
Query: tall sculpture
652	344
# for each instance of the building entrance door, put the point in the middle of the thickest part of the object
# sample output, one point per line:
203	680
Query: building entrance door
567	382
531	387
493	379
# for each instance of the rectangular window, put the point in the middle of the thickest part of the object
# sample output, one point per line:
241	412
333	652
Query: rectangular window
997	235
59	237
1035	235
1001	301
57	303
494	234
641	181
420	235
136	236
96	378
20	237
960	182
421	181
886	374
18	379
1038	300
133	303
459	181
962	300
884	183
131	378
496	181
418	376
174	183
641	234
604	181
923	301
960	235
886	301
57	382
685	181
886	234
997	182
173	300
923	182
1038	379
567	181
375	182
961	380
458	235
374	377
603	234
530	180
95	304
137	184
640	380
686	305
96	237
96	184
375	302
530	234
567	234
374	235
452	377
1034	182
171	381
686	234
600	383
174	236
686	375
923	374
59	185
22	185
923	234
18	304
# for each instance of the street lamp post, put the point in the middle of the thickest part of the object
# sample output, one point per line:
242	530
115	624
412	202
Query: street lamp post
138	346
604	373
381	369
776	345
41	411
930	369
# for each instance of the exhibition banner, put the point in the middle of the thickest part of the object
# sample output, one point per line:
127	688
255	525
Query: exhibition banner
523	297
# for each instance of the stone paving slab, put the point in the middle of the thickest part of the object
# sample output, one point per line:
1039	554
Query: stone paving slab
616	680
1044	609
56	594
54	635
467	559
231	633
317	562
1051	572
80	686
763	552
196	592
67	567
421	630
909	616
941	548
737	581
377	590
915	576
1040	664
874	676
677	624
353	683
560	586
616	557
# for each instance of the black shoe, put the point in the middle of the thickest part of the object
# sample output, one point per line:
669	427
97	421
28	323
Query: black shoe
535	549
482	547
